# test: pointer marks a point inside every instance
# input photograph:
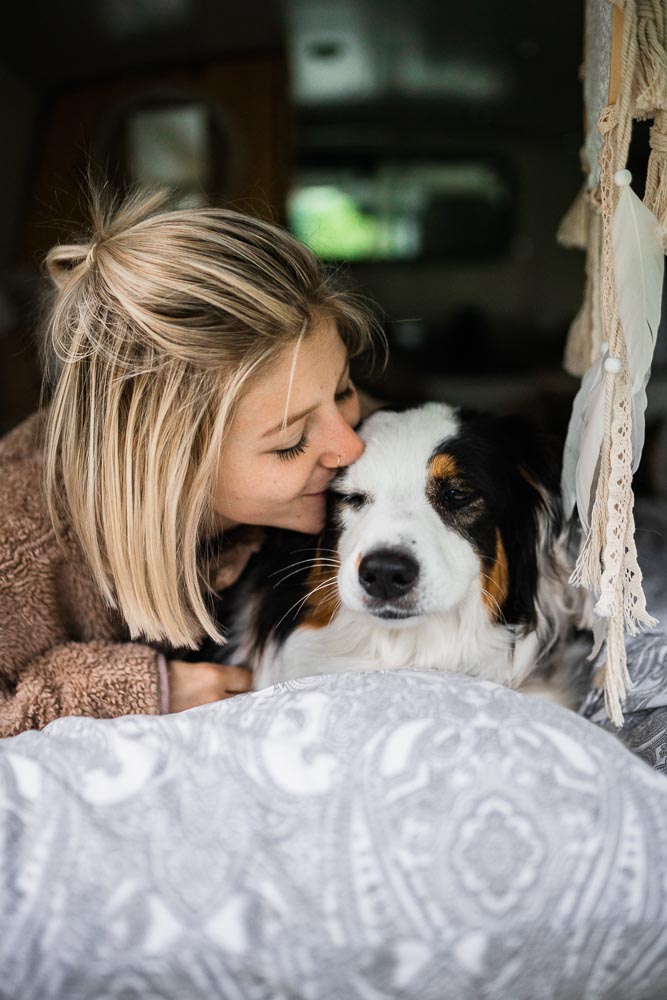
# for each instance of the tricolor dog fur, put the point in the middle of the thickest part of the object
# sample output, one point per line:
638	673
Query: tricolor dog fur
444	549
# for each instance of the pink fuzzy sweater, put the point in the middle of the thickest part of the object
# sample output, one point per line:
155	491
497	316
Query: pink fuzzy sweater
62	650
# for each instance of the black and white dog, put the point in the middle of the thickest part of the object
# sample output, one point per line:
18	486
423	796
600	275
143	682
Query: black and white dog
444	548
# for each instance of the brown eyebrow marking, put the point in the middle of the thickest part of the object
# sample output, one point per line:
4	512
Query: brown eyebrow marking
496	582
443	467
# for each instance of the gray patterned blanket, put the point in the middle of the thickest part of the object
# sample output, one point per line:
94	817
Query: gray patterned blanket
405	834
399	834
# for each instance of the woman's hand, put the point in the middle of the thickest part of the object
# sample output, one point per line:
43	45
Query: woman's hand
192	684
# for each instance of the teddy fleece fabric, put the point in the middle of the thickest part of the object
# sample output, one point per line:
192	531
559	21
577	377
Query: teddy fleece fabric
63	651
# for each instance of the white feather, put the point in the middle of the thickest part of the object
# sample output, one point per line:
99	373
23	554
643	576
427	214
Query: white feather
639	265
638	272
637	427
583	444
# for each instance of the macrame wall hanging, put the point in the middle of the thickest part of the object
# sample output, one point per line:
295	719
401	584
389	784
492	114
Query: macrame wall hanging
612	338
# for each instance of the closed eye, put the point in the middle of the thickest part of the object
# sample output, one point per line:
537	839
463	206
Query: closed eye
354	500
345	393
297	449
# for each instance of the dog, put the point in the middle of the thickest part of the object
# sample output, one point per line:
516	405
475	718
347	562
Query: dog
444	549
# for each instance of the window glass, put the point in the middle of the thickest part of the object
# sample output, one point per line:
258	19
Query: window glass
170	145
403	211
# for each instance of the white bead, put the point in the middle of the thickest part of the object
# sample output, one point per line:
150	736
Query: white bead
604	347
612	365
622	178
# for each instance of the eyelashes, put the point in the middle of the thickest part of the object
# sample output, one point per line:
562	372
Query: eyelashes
285	454
297	449
354	500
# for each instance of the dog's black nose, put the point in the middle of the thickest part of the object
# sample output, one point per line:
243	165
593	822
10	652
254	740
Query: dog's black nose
388	573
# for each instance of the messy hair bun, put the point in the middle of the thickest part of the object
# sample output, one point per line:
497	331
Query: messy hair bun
107	217
62	261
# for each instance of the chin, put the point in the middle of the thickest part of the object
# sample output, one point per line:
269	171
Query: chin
309	516
298	524
443	547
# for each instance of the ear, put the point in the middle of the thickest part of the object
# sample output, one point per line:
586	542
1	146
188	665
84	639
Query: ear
536	456
536	515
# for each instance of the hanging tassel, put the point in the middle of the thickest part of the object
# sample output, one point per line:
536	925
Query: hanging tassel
578	345
651	71
655	197
615	682
638	270
574	232
632	277
585	333
573	229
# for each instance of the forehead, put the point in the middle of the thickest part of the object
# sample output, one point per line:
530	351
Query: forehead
301	371
399	448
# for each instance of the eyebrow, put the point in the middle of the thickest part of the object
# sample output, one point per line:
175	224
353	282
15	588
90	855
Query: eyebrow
294	417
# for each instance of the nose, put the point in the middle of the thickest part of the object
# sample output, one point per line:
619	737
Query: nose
344	446
388	573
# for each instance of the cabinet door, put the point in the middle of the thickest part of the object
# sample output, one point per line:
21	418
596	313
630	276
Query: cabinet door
250	150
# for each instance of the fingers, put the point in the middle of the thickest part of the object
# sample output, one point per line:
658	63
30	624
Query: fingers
235	680
192	684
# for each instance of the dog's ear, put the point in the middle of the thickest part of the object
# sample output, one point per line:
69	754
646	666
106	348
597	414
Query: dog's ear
531	451
536	518
535	454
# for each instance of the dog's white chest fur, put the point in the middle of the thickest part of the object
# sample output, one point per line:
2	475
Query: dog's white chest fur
452	643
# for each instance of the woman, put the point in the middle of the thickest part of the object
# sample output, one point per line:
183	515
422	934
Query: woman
199	363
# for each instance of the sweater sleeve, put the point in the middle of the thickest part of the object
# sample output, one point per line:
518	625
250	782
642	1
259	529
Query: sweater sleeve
99	679
62	651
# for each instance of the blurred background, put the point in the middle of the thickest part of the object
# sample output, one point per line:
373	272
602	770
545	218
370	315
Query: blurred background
427	149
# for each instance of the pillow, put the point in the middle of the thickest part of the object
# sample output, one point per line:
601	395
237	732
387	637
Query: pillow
400	834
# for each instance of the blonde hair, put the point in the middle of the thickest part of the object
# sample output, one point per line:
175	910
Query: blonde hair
158	321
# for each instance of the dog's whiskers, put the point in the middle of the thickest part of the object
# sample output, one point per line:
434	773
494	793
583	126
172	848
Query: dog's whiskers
500	610
335	611
313	561
491	580
316	548
327	565
331	582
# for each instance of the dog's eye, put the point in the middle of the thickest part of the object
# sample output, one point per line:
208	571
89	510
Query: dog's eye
354	500
457	498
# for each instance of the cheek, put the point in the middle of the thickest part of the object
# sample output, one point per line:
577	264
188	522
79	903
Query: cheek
287	481
258	489
272	482
243	488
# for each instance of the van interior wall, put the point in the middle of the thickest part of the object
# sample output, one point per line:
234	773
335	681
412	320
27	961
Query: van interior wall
21	103
20	107
536	281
